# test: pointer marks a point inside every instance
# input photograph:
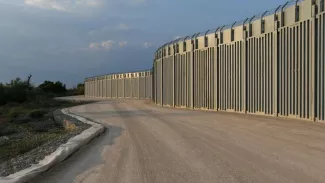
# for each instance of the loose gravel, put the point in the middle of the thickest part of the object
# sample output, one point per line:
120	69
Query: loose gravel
26	160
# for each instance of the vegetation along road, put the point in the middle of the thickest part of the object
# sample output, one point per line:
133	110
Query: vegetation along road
145	143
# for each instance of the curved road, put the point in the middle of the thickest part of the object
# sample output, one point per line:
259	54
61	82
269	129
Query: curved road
145	143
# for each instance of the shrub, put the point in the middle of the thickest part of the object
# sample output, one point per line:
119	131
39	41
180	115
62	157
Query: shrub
37	113
13	113
53	87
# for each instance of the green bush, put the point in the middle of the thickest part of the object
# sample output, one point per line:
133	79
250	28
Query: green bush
14	113
53	87
37	113
15	91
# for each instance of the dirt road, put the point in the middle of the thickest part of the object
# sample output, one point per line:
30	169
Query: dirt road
145	143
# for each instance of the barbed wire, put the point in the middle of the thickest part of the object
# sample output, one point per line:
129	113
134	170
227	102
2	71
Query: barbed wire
110	74
234	24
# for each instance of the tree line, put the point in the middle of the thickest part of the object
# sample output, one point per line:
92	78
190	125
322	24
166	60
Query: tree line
19	91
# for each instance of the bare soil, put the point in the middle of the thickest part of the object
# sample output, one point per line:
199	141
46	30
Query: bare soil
150	144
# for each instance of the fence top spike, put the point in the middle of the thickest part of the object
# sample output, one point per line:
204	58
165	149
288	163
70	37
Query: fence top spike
232	26
193	36
178	40
222	27
297	2
197	35
185	38
245	21
250	20
206	33
264	14
216	30
284	5
277	9
169	43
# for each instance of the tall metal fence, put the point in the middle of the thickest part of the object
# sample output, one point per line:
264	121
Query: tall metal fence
269	64
122	85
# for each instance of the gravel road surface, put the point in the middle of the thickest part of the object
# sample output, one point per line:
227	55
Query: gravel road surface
145	143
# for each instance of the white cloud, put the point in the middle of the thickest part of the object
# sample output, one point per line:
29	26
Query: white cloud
72	5
177	37
123	43
122	26
147	44
107	45
94	45
48	4
63	5
95	3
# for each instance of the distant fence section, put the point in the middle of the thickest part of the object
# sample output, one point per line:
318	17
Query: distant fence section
268	64
123	85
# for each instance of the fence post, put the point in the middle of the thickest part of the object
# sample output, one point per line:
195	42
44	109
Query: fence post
313	60
145	85
123	85
162	78
193	71
116	86
275	62
216	71
174	57
138	74
244	68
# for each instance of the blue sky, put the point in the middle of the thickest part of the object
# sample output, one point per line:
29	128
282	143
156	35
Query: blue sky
69	40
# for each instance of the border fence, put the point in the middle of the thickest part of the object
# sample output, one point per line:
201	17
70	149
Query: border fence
268	64
122	85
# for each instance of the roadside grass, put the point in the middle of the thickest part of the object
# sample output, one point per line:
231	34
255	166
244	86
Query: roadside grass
26	126
19	145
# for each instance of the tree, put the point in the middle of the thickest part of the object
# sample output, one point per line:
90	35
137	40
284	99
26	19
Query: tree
15	91
81	89
2	94
51	87
28	81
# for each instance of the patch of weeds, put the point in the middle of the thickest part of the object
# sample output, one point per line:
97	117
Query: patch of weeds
41	126
6	130
37	113
31	124
19	147
32	137
14	114
68	125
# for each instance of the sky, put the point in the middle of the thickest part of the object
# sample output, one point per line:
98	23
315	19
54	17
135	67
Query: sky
69	40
